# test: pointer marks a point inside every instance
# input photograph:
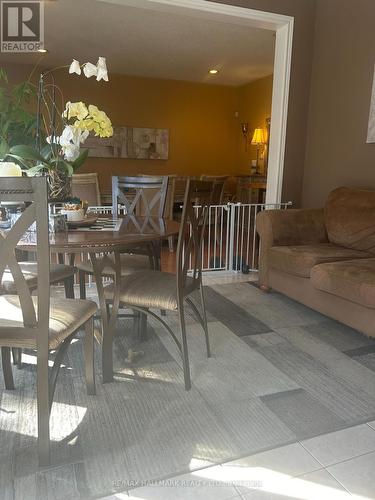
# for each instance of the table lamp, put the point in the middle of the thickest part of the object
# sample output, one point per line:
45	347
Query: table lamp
258	140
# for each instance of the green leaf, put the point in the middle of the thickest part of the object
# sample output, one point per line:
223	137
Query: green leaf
76	164
19	159
46	151
4	148
27	152
65	166
31	172
3	75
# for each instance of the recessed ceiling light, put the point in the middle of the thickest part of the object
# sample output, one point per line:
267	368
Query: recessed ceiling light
213	71
43	51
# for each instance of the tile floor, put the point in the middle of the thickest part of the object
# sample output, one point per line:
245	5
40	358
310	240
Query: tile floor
333	466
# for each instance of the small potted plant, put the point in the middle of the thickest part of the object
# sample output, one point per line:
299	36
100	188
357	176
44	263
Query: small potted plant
74	209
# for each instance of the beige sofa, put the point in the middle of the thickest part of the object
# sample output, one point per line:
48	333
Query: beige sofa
324	258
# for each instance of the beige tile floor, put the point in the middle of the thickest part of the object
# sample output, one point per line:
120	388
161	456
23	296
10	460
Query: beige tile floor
336	466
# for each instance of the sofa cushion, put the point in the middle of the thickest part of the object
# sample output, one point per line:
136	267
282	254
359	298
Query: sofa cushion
350	218
300	259
353	280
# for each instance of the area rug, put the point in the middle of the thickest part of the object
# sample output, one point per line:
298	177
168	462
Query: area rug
279	373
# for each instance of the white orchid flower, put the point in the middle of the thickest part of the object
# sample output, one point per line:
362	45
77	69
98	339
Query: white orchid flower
71	140
56	139
102	73
75	67
83	135
90	70
71	152
66	137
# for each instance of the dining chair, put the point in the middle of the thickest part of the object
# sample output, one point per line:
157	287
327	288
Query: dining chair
37	321
144	196
59	273
86	188
219	186
140	195
169	204
154	289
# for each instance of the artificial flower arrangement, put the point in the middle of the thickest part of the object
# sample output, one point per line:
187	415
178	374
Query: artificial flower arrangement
62	154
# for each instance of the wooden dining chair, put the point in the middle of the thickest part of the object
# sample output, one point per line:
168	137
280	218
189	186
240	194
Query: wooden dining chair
143	196
149	289
37	321
86	188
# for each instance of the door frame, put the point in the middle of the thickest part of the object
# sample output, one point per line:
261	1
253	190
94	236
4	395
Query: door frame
283	26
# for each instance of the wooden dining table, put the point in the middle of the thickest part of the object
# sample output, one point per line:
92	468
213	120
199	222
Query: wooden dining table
104	246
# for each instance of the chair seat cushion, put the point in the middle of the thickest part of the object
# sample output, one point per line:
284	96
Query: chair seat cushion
148	289
58	273
129	264
66	316
300	259
353	280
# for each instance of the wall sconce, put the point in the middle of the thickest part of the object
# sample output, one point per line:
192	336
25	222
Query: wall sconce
245	132
258	140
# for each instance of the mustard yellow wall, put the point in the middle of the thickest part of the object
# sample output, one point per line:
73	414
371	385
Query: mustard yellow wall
255	101
200	118
205	134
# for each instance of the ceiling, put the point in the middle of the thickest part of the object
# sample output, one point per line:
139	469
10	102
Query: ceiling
154	44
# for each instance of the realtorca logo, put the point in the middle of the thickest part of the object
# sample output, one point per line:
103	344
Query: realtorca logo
22	26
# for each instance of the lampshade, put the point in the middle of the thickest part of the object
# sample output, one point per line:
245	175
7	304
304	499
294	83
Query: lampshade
258	137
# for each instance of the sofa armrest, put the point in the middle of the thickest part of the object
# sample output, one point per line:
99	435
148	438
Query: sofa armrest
287	227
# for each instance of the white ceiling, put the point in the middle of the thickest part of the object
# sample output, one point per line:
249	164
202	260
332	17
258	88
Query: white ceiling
153	44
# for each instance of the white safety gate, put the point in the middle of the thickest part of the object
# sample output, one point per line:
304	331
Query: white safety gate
231	242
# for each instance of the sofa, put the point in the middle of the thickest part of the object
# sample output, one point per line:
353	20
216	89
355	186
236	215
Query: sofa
324	258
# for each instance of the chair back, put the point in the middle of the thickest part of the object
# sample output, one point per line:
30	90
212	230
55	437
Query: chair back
217	192
31	224
219	184
86	187
169	201
141	195
191	234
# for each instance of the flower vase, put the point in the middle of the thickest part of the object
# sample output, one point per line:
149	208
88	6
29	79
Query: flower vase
59	186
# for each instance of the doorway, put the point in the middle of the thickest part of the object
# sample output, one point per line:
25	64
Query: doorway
283	27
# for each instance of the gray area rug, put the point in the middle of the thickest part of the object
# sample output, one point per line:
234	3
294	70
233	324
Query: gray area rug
280	372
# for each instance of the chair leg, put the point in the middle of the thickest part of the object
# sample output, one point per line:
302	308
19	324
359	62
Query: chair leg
89	356
82	284
143	335
170	244
205	326
7	368
107	353
140	325
185	354
69	287
17	356
43	405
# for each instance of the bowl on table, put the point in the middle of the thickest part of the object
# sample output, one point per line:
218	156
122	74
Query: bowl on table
75	215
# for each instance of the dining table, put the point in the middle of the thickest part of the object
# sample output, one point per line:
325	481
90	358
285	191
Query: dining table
103	242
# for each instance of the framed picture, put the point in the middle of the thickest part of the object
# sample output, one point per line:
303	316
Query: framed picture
131	142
